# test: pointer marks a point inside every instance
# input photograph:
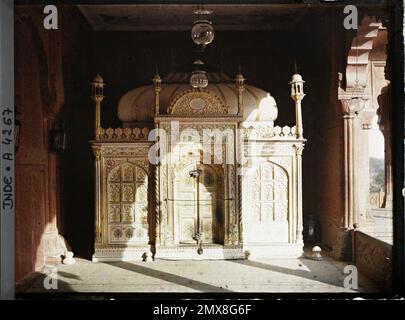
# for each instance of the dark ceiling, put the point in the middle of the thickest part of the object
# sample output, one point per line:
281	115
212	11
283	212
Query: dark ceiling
181	17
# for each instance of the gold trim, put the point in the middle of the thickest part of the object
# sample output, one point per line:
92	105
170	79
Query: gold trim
181	104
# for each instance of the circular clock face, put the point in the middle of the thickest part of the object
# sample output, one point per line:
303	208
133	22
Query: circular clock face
197	104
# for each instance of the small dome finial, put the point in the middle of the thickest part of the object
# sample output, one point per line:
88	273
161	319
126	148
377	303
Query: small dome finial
239	77
156	79
98	79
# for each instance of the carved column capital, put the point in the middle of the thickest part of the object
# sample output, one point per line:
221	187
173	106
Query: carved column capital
349	108
97	152
299	148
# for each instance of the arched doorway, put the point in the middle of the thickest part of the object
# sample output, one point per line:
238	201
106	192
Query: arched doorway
197	205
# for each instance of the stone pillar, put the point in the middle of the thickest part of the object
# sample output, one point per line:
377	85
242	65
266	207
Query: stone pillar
97	175
349	217
226	205
240	216
297	94
385	120
233	223
164	227
240	87
97	94
298	154
157	83
157	206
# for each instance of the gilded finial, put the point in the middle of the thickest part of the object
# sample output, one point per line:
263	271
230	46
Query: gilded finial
239	82
239	77
295	67
98	79
297	94
156	79
97	87
97	94
157	82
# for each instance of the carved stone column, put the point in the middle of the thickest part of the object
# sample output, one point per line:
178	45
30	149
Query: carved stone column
226	205
233	223
157	206
164	227
240	203
298	154
97	175
348	157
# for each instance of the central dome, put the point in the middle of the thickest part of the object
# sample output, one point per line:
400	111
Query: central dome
137	105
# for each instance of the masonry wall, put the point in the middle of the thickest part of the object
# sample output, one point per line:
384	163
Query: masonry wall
40	97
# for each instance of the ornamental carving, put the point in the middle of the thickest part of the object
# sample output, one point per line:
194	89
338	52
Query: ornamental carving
268	193
197	102
123	134
263	132
127	203
164	232
137	150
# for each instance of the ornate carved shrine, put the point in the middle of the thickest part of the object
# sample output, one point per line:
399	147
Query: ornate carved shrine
198	168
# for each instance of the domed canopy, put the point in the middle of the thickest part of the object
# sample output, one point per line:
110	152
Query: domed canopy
98	79
137	105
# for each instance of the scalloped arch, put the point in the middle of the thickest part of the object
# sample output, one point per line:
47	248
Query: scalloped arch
181	104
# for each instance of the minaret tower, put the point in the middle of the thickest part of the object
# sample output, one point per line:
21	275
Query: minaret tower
97	94
157	83
297	94
240	87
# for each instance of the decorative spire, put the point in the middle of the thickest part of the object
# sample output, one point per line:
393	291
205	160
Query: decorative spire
240	80
97	94
240	87
297	94
157	82
156	79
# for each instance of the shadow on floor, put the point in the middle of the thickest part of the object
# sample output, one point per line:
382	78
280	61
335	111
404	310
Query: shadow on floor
69	275
186	282
39	282
315	272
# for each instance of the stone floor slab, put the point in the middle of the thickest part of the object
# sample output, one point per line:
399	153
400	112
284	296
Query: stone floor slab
224	276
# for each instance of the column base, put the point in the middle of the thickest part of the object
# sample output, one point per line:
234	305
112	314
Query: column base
105	253
210	252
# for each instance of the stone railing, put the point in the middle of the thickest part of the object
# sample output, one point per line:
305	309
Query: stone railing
123	134
373	258
269	132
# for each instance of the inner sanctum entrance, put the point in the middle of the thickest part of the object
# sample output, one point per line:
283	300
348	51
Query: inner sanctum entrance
197	206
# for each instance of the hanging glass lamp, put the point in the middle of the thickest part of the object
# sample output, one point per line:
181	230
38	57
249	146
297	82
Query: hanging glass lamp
199	78
202	32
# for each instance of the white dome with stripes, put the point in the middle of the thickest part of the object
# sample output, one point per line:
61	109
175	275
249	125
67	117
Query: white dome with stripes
137	105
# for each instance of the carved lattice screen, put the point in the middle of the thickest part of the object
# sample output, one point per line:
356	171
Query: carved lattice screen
127	189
